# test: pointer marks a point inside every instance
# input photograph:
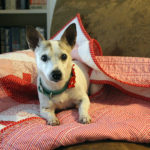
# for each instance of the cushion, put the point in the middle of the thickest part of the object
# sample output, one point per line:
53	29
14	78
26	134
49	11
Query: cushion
120	26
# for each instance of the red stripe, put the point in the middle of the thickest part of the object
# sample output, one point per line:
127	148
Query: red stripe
15	123
6	122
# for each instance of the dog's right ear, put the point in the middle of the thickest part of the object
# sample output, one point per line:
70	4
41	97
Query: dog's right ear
70	34
33	37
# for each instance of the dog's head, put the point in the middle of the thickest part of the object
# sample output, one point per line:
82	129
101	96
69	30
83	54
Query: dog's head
53	57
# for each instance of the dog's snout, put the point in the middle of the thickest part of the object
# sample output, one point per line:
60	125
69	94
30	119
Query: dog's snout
56	75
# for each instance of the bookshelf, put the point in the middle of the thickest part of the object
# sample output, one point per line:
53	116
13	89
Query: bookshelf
35	17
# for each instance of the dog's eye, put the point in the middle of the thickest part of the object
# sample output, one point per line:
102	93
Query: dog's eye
44	58
63	57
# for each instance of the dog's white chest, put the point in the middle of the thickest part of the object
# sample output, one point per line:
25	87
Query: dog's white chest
63	100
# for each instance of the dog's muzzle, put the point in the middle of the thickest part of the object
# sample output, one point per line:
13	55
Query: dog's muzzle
56	75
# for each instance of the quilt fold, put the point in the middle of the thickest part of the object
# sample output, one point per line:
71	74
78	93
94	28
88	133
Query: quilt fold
129	74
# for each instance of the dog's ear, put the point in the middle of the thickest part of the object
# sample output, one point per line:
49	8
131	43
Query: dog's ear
69	36
33	37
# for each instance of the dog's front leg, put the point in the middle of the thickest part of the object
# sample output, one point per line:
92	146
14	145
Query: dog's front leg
83	110
49	115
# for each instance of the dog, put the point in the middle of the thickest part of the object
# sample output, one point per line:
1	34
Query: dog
62	83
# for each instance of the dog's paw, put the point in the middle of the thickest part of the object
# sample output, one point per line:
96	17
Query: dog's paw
53	122
85	119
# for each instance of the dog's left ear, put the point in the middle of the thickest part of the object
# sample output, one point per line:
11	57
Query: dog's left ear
69	36
33	37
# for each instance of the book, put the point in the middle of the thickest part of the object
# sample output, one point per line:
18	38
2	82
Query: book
15	39
23	4
23	43
18	4
14	4
10	4
2	4
2	42
27	4
37	4
43	2
7	39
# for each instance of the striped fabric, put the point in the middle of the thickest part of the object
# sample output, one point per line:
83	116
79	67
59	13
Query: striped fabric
119	111
114	116
129	74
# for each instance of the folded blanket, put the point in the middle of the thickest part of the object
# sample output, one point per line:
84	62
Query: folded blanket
119	111
130	74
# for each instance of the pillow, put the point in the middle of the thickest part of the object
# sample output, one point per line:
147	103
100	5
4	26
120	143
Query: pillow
120	26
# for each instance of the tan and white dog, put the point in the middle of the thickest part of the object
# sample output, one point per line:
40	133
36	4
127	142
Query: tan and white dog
61	82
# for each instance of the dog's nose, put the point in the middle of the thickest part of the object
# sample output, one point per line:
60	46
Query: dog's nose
56	75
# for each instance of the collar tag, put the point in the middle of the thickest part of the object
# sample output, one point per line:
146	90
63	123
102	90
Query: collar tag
51	95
